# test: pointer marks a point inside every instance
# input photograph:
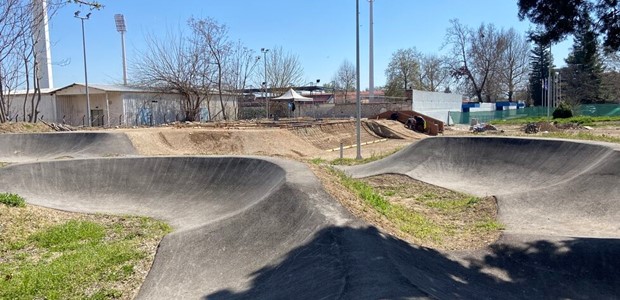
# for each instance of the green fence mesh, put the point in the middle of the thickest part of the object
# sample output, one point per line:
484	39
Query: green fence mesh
594	110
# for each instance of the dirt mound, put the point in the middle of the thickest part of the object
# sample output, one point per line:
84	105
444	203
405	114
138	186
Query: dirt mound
329	136
546	126
170	141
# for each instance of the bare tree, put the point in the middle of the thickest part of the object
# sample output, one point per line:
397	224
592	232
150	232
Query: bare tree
12	30
212	37
514	63
240	67
476	55
283	69
344	78
403	72
20	22
434	72
175	64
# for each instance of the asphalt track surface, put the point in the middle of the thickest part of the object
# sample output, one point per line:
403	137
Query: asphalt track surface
264	228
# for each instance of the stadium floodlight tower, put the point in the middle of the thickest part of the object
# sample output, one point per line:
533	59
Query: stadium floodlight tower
41	37
119	19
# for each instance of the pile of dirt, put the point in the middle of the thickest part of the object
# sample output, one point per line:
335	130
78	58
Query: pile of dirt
330	135
23	127
546	126
568	126
221	141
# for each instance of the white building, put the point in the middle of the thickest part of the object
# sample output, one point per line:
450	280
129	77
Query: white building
118	105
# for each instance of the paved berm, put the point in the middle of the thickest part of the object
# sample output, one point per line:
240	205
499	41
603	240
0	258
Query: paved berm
257	227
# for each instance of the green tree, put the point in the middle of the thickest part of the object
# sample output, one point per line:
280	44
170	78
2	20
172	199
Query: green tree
583	75
540	64
403	72
559	18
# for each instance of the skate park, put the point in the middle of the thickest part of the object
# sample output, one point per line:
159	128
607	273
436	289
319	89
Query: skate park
258	227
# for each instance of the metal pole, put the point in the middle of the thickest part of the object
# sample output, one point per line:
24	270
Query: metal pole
124	62
357	90
549	83
264	50
107	109
90	121
559	87
371	67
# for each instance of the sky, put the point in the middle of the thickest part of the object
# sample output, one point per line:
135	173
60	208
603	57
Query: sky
320	32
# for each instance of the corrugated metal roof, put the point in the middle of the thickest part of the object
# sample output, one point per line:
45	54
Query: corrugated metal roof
108	88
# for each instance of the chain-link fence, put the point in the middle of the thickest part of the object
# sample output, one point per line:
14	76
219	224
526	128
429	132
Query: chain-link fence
594	110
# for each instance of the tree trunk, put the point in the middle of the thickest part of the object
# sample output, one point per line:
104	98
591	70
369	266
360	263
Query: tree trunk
219	91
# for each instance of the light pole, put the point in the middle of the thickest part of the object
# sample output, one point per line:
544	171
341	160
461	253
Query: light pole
371	65
77	15
265	50
357	75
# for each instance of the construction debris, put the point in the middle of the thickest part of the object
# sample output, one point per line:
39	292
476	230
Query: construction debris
482	127
531	128
59	127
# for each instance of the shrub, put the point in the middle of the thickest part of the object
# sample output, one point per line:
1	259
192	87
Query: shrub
563	111
13	200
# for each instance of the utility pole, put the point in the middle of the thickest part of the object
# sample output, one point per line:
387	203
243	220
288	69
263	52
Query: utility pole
357	90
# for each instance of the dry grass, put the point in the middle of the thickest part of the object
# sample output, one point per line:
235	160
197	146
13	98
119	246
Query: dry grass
23	127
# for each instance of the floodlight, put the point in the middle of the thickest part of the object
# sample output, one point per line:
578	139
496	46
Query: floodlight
119	19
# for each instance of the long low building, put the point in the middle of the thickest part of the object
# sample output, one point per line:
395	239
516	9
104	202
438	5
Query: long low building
117	105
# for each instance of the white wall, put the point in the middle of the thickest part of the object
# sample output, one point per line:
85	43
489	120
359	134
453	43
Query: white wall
436	104
47	107
138	107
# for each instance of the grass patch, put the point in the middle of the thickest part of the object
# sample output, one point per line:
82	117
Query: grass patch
409	221
12	200
69	236
48	254
583	136
352	161
461	221
421	213
453	204
3	164
317	161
